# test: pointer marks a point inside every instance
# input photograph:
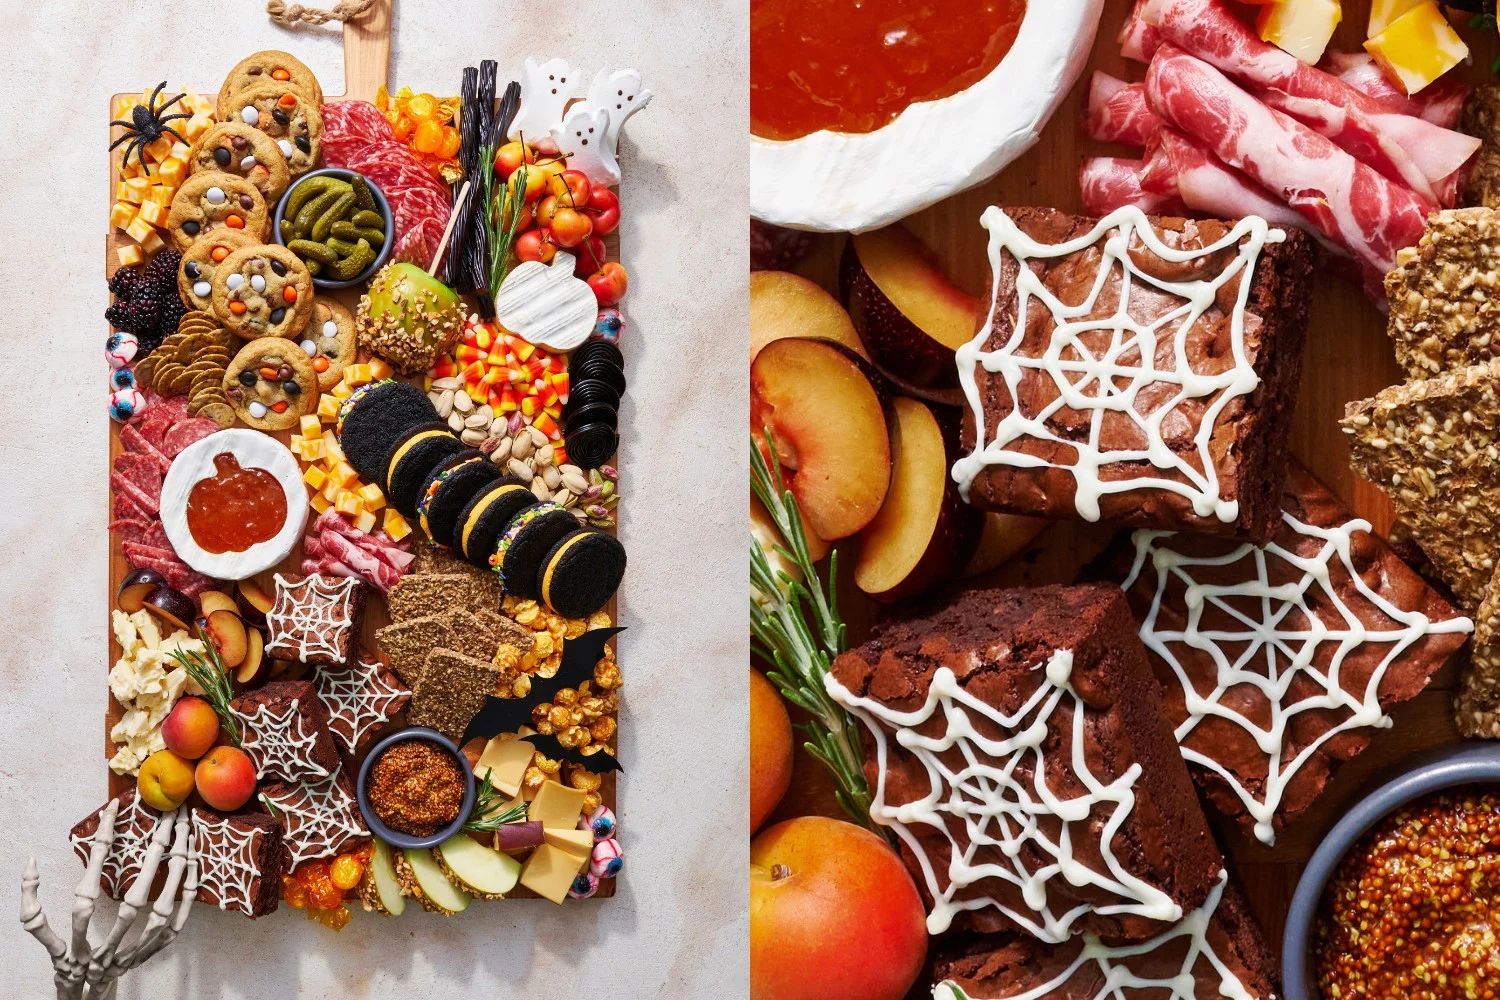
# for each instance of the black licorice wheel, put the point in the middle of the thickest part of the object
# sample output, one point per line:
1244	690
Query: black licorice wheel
592	391
591	445
413	459
596	414
448	490
599	349
526	542
601	369
375	419
484	518
581	573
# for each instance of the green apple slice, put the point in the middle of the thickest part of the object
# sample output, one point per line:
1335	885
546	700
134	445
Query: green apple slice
383	877
436	889
485	872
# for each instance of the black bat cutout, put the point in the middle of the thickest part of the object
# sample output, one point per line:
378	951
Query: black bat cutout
597	762
508	715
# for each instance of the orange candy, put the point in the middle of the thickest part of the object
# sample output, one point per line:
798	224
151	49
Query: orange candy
421	106
287	100
235	222
280	74
293	892
346	871
429	137
279	406
219	253
320	364
327	895
289	294
269	374
238	308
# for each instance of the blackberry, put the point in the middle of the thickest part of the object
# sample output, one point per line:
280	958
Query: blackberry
146	300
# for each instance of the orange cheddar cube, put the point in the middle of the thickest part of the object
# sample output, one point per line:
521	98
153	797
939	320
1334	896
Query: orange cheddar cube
371	495
121	215
139	230
395	525
1418	47
319	503
172	171
154	213
365	520
314	477
130	255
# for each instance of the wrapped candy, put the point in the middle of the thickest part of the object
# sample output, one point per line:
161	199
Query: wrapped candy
584	886
606	860
121	348
601	822
608	326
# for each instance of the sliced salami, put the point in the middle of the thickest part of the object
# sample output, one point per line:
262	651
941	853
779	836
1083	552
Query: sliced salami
129	508
137	502
189	431
187	580
140	470
133	529
164	561
137	443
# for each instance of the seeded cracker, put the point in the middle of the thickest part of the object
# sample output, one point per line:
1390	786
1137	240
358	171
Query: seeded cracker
421	594
1476	708
1445	294
452	688
1481	119
408	642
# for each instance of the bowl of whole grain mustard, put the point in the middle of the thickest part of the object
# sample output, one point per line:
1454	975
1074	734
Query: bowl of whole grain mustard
1402	897
415	788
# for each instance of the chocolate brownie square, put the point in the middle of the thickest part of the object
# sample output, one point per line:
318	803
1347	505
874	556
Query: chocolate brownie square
240	861
135	822
318	818
1305	642
1015	742
1138	388
314	618
1218	943
284	730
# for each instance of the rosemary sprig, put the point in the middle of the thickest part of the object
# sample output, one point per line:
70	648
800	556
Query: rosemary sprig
802	650
503	204
214	680
487	815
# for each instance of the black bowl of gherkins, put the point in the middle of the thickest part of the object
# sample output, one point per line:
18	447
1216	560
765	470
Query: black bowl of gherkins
339	223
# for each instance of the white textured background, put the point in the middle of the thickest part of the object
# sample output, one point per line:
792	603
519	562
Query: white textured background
678	926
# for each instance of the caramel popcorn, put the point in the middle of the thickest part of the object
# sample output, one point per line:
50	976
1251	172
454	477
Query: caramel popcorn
583	779
603	729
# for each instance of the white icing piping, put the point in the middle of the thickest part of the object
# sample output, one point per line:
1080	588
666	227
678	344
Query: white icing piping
1284	654
1120	983
1085	382
134	826
998	811
317	817
273	745
305	610
226	867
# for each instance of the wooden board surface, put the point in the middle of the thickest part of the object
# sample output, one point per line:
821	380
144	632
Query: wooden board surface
1347	357
367	45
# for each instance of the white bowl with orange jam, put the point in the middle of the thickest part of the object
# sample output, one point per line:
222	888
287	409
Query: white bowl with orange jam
233	504
865	111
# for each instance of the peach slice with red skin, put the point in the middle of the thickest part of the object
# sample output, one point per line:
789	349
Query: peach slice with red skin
788	305
254	602
906	311
828	424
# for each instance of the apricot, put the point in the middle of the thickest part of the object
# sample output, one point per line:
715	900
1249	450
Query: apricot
226	778
191	728
770	748
165	781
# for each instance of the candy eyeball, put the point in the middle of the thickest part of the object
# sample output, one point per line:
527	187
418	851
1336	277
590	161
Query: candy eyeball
606	860
126	405
120	379
121	349
608	326
601	822
584	886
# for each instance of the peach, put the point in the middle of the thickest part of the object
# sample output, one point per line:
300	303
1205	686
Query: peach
788	305
833	915
191	728
770	748
165	780
826	418
226	778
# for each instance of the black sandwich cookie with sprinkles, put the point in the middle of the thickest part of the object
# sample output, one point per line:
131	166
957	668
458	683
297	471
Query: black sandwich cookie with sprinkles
448	490
375	418
581	573
413	459
484	519
528	538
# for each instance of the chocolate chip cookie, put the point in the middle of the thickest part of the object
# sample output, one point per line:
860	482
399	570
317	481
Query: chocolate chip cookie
237	148
260	67
286	113
195	274
271	384
329	340
263	291
212	201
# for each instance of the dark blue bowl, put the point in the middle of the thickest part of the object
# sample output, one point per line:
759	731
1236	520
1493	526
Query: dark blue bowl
383	206
395	837
1470	763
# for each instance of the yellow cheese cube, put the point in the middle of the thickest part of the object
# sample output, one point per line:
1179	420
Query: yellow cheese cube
331	445
130	255
154	213
120	107
395	525
328	408
180	150
342	391
556	805
1301	27
152	243
578	843
332	489
365	520
504	760
121	215
295	443
314	477
357	375
139	230
345	474
161	148
133	190
1418	47
197	125
310	426
319	503
172	171
379	371
314	449
348	503
131	169
160	194
549	872
1383	12
371	495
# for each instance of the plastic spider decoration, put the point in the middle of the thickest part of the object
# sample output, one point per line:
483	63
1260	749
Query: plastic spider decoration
147	124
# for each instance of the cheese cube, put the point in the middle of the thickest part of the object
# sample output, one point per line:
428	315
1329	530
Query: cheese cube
365	520
1383	12
314	449
342	391
121	106
395	525
133	190
130	255
314	477
310	426
348	503
357	375
549	872
344	473
154	213
160	194
319	503
139	230
161	148
331	445
380	371
1418	47
121	215
197	125
180	150
328	408
1300	27
556	805
332	489
295	443
131	169
578	843
172	171
371	495
504	760
152	243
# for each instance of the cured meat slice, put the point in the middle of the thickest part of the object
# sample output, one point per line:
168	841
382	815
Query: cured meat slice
1439	103
132	529
1350	203
189	431
131	500
141	470
132	440
1423	156
189	581
1139	39
1109	183
128	507
164	561
1118	111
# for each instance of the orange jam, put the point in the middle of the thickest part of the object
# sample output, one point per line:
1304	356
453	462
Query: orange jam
854	65
235	508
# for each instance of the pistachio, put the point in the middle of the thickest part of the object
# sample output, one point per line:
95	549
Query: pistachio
501	454
519	469
574	482
447	382
537	437
539	489
546	454
478	421
471	436
522	446
456	419
570	469
462	403
550	476
444	404
610	472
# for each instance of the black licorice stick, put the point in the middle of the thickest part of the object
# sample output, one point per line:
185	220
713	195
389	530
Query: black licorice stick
479	251
468	129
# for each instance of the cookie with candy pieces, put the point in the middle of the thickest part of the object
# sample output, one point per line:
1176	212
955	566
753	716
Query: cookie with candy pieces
284	730
314	618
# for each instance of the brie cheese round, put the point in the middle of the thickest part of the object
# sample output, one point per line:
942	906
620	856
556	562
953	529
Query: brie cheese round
253	450
836	182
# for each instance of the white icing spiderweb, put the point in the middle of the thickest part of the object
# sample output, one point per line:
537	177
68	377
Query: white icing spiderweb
1114	966
1113	367
280	744
309	615
1268	640
227	864
317	818
359	698
134	824
976	790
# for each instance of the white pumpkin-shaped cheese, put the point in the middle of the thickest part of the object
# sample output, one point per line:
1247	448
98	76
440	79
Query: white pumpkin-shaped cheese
547	305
